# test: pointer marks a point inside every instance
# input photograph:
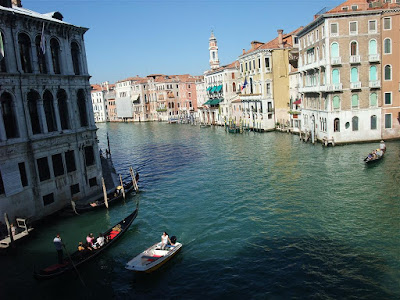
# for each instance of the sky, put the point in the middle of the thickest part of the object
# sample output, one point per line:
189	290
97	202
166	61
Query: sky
141	37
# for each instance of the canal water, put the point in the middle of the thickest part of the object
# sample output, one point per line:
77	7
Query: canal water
260	216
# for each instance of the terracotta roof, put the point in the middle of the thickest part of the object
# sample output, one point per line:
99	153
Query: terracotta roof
96	88
362	5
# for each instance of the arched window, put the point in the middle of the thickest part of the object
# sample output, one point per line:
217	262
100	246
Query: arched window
372	73
353	48
75	53
33	98
81	101
9	116
387	43
335	76
354	75
336	102
388	72
234	86
336	125
48	106
354	100
372	49
63	109
335	50
373	99
354	122
41	58
3	68
55	55
373	122
24	44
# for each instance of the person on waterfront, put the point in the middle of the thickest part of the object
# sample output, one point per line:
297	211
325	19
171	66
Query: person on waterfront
382	146
58	244
164	240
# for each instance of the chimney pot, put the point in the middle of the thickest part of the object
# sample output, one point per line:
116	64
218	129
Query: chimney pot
16	3
244	51
280	38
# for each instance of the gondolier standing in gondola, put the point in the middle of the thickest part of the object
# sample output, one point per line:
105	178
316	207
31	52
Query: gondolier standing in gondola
58	244
382	146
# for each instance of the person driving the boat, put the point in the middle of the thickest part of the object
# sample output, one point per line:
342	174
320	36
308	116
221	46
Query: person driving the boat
382	145
164	240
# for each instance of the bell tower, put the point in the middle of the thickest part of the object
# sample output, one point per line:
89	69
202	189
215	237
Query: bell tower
213	48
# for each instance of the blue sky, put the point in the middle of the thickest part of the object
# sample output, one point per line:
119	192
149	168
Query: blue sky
140	37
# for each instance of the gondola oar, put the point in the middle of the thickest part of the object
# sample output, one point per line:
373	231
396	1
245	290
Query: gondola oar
72	262
122	186
104	192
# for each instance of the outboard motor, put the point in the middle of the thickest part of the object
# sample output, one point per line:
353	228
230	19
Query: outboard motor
173	239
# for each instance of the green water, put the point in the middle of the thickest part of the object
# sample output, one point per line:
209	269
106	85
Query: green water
260	216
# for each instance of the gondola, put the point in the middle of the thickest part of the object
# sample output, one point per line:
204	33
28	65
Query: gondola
79	257
375	156
112	198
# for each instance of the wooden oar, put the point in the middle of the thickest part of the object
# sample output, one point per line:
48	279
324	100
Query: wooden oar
72	262
104	192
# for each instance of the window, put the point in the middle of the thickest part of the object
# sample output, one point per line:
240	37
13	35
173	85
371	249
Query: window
373	100
93	182
55	55
336	125
251	85
335	50
246	66
388	121
33	98
354	75
387	23
89	156
233	75
373	122
41	58
75	53
334	29
336	102
353	48
49	111
353	27
372	26
70	161
354	100
388	98
3	67
22	174
24	44
63	109
74	189
387	46
267	62
335	76
233	86
259	63
241	67
372	47
48	199
9	116
58	167
81	101
354	7
373	73
388	72
2	191
354	122
254	64
43	168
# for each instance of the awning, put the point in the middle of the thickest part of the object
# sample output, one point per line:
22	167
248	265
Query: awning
207	103
209	88
218	89
213	89
215	101
297	102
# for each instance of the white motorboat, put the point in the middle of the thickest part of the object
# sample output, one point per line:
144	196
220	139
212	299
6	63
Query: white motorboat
153	258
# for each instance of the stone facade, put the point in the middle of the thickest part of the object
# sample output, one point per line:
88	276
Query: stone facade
48	142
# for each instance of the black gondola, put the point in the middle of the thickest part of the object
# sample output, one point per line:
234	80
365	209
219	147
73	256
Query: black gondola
112	198
79	257
375	156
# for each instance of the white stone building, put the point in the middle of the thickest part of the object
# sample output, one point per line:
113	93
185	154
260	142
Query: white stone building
99	103
48	143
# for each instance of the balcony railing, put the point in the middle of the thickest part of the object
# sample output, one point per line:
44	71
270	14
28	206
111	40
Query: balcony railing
375	84
355	59
374	58
355	85
334	87
336	60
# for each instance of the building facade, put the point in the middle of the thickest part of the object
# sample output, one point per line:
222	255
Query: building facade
48	143
99	103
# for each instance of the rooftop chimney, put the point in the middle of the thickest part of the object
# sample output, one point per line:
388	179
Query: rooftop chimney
244	51
16	3
255	44
280	38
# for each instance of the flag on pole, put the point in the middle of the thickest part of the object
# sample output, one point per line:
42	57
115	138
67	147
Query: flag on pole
43	42
1	47
244	84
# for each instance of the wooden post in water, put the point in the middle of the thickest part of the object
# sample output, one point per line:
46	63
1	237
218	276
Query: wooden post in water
122	185
133	179
104	192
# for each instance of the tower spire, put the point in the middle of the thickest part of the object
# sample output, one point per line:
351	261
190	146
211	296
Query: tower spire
213	48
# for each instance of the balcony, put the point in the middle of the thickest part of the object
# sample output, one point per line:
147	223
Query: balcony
355	85
313	89
355	59
336	60
267	70
375	84
336	87
374	58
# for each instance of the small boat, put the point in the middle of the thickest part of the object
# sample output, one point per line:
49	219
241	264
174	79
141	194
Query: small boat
112	198
205	125
22	232
77	258
153	258
375	155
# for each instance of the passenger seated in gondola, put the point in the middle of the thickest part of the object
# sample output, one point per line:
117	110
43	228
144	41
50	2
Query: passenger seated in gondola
80	247
90	239
99	242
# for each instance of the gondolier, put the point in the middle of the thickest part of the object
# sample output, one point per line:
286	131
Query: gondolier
58	244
